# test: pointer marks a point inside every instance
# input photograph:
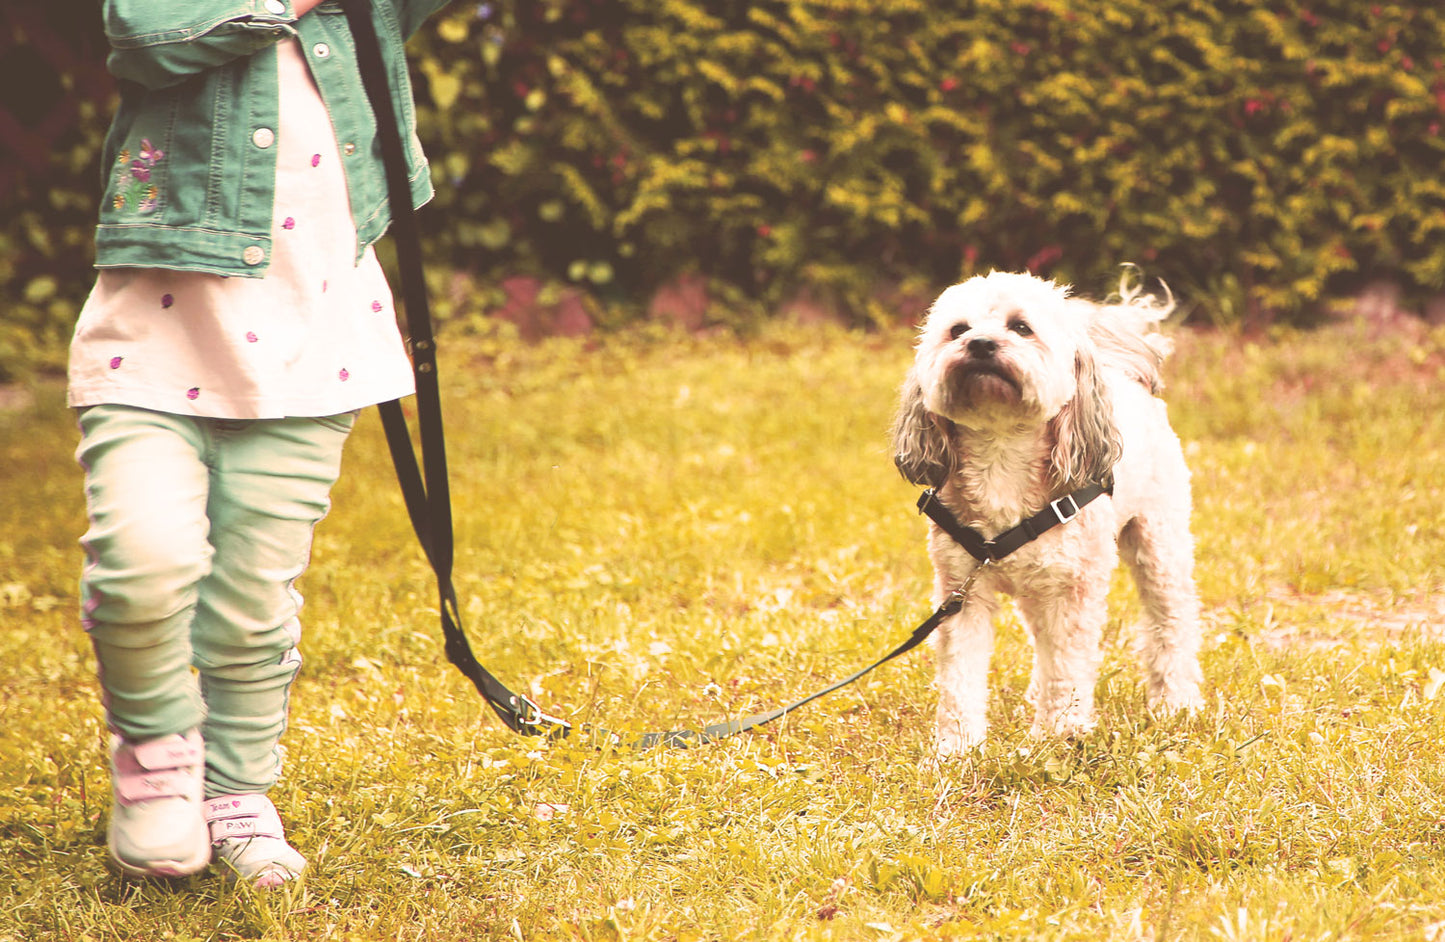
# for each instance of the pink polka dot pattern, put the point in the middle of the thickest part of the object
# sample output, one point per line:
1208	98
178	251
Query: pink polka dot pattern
193	393
115	362
344	375
251	336
315	160
376	306
290	223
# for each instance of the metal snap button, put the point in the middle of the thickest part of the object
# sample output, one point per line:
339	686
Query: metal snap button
349	149
321	50
253	255
263	137
276	7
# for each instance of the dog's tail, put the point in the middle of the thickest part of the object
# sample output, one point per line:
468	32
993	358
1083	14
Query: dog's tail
1125	331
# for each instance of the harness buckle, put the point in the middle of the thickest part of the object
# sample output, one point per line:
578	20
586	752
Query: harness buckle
1057	508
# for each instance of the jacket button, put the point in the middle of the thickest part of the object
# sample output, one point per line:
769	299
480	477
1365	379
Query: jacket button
349	149
321	50
275	7
253	255
263	138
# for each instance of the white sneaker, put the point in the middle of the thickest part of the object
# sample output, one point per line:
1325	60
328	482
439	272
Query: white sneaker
249	842
157	828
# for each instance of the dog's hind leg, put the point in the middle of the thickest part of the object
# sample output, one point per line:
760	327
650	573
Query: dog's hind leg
1160	553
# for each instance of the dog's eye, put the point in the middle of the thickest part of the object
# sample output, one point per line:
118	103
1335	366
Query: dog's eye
1021	328
957	330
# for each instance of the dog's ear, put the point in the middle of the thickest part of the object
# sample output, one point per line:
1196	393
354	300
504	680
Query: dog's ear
921	446
1087	444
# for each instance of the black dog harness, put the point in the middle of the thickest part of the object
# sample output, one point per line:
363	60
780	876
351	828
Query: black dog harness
1058	511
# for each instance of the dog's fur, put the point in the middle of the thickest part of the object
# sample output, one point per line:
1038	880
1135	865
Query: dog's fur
1020	394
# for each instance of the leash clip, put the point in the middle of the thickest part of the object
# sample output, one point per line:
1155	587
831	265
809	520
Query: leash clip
530	715
960	595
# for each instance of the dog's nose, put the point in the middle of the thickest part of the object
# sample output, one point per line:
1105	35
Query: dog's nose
982	347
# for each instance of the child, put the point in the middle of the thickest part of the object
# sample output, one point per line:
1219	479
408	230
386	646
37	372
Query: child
239	321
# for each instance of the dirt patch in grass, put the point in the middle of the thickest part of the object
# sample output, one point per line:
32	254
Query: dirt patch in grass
1337	617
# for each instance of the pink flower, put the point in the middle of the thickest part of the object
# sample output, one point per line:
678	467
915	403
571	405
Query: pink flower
376	306
315	160
344	375
193	393
290	223
115	362
251	336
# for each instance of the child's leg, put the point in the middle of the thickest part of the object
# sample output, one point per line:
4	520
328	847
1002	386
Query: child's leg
270	486
146	550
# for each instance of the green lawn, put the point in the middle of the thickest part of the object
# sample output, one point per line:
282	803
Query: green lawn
657	532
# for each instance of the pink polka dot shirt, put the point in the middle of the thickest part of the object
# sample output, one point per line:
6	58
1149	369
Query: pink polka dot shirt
316	336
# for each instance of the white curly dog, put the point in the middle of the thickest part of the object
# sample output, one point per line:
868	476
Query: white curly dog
1019	397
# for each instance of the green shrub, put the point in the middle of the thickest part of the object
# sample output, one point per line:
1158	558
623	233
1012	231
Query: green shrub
1260	157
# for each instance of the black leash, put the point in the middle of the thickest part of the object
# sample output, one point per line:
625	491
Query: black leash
427	495
428	500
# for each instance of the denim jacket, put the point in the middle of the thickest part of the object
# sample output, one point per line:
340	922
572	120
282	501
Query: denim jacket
190	161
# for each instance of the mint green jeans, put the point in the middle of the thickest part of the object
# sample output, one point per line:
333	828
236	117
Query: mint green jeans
198	530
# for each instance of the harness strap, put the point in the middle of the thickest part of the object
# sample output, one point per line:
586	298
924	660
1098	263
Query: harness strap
1056	512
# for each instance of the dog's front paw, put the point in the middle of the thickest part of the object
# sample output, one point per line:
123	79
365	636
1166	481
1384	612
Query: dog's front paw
1171	700
1062	710
957	738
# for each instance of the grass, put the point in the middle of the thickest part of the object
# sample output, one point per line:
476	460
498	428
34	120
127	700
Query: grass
658	532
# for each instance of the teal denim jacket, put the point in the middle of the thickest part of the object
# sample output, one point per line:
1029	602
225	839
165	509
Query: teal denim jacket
190	161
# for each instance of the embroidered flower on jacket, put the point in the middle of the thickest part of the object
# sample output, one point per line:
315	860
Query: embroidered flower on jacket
133	184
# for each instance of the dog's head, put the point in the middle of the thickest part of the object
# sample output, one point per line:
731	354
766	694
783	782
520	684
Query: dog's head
1002	354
